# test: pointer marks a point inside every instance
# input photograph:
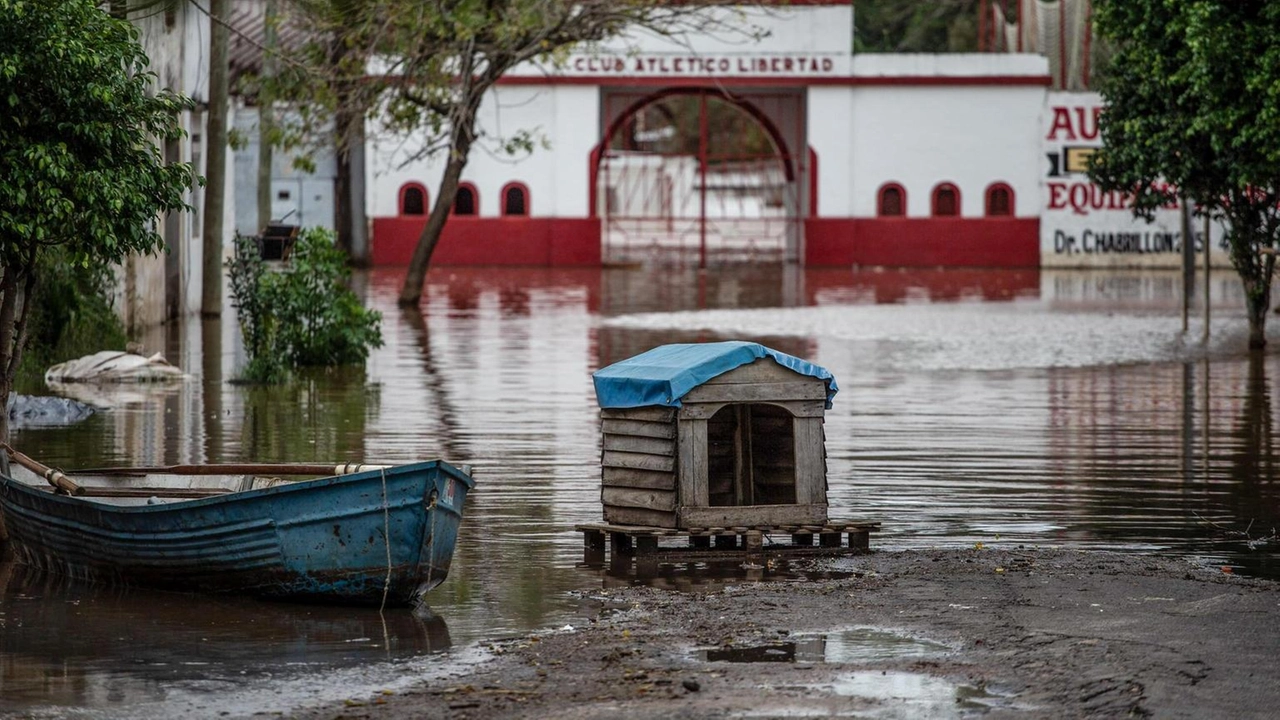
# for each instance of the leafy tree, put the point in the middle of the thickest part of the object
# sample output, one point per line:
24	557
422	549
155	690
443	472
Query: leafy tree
1193	104
932	27
302	315
80	169
434	62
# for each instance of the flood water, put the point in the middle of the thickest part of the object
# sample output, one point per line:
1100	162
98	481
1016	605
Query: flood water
1001	407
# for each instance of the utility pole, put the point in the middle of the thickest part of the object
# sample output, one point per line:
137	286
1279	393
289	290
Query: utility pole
1208	246
1188	262
215	160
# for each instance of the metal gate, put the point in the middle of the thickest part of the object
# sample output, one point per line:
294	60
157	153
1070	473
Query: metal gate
696	177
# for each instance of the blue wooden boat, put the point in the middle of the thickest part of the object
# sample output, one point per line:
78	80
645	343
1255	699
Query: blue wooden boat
360	534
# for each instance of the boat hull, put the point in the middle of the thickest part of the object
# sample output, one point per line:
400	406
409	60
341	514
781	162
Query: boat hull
367	538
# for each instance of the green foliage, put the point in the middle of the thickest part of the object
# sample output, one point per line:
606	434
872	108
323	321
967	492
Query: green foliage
82	179
1193	102
932	27
71	316
303	315
251	296
79	162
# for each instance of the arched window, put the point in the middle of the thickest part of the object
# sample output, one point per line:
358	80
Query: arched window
467	201
946	200
999	200
892	201
515	199
413	199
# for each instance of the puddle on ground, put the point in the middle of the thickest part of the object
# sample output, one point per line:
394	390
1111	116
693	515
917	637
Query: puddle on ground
863	644
921	697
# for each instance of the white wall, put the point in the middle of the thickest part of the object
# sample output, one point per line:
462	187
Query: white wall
919	136
822	31
566	118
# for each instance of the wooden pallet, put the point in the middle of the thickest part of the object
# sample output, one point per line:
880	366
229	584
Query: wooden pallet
723	543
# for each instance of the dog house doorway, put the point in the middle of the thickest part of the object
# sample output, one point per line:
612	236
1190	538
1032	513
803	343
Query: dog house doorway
751	456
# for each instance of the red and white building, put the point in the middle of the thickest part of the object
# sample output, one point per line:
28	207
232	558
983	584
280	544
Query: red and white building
789	148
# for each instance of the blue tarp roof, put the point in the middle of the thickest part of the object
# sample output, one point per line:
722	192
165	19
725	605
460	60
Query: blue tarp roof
666	373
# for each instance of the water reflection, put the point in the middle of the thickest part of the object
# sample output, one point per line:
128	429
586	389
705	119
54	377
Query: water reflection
69	643
976	405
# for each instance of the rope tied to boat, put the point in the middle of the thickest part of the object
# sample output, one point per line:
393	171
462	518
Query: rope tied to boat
386	539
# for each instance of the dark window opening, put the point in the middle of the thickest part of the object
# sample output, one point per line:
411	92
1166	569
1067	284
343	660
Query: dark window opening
999	201
464	203
414	202
946	201
891	204
751	456
513	201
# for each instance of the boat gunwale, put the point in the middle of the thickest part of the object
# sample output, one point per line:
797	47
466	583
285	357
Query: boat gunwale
240	496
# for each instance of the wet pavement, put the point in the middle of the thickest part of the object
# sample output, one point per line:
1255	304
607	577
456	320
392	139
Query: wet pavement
1055	408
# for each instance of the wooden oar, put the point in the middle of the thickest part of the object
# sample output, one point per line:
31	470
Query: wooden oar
54	477
238	469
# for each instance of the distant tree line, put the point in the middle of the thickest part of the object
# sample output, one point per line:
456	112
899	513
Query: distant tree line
934	26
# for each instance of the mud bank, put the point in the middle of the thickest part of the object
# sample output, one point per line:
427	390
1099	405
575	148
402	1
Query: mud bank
930	634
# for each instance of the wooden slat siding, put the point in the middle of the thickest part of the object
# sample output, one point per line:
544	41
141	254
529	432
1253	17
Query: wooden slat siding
693	463
811	464
798	408
637	461
647	479
762	370
638	516
661	500
637	444
655	413
643	428
752	515
757	392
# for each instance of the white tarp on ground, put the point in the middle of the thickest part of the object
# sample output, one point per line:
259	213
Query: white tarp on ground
113	366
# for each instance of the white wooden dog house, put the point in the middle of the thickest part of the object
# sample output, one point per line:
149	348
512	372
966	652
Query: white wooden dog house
709	435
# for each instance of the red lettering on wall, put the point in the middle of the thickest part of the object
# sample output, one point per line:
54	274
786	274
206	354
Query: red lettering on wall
1061	122
1087	122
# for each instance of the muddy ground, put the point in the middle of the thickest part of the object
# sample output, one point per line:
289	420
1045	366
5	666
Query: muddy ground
958	633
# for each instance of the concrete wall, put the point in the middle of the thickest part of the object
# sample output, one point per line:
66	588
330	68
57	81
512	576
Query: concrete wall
151	288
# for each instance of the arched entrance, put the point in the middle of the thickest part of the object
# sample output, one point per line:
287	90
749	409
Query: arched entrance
700	176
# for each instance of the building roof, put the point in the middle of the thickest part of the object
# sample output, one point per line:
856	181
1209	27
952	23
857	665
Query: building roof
665	374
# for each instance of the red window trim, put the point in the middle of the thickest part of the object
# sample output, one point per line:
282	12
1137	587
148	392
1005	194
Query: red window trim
1013	205
426	198
528	199
902	193
933	199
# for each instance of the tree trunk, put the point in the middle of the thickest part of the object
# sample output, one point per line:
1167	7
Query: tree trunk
342	120
266	115
8	348
416	275
459	151
1257	298
215	160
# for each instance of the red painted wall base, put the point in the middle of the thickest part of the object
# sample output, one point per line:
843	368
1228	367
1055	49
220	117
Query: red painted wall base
551	242
838	242
923	242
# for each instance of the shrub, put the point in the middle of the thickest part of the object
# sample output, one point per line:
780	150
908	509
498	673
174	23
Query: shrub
303	315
